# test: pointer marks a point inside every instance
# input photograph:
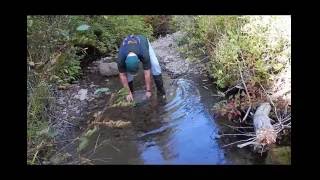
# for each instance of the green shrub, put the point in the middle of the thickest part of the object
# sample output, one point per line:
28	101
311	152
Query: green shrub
260	44
161	25
106	32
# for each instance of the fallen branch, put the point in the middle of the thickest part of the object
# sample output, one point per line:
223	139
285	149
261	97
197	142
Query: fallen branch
35	155
236	86
246	144
239	141
69	123
265	133
264	130
95	146
245	117
237	128
245	87
114	147
275	108
203	59
247	134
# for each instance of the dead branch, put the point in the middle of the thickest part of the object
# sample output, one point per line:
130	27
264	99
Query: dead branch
117	149
253	138
247	143
95	147
245	117
245	134
237	127
245	86
275	108
38	149
236	86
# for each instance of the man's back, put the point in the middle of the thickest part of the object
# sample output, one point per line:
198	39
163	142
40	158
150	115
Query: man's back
137	44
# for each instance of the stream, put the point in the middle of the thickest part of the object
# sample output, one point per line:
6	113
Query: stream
180	130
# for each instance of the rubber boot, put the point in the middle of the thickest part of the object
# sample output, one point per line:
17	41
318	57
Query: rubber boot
159	84
131	86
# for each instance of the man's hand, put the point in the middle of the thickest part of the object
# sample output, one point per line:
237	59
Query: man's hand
129	97
148	94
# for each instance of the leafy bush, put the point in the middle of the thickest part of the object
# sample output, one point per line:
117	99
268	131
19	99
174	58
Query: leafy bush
161	25
258	46
106	32
260	43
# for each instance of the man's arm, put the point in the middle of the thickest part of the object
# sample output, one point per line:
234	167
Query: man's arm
124	80
147	78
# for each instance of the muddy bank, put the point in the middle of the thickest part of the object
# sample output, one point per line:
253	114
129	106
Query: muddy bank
76	105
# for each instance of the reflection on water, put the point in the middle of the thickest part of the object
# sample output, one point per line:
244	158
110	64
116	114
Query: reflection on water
184	135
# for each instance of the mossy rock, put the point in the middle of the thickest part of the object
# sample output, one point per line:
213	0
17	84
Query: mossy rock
279	155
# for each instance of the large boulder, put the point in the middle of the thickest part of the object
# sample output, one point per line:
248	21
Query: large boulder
108	69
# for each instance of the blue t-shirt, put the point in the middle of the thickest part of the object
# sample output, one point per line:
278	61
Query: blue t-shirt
137	44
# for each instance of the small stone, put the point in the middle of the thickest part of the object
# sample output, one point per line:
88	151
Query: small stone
45	162
62	87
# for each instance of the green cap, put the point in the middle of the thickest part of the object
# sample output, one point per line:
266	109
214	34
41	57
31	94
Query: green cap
132	64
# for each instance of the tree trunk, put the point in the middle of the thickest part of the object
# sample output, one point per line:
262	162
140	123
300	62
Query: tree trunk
265	132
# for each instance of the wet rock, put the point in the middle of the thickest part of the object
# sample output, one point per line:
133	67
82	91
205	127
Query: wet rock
75	82
59	158
96	114
279	155
92	85
82	94
108	69
62	87
45	162
91	99
106	59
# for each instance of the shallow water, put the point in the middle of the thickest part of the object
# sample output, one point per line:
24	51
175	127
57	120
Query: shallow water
178	130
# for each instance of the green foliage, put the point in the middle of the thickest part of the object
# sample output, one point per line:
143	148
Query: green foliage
106	32
121	100
161	25
67	67
84	139
50	50
279	155
38	136
259	44
36	106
